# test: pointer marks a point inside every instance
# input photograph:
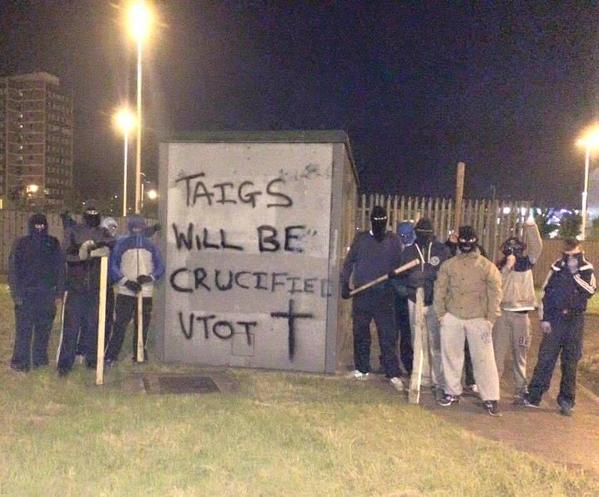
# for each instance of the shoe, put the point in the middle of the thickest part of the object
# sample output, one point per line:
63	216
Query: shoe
471	389
565	408
110	363
397	384
519	398
492	407
449	400
356	374
62	372
19	369
526	402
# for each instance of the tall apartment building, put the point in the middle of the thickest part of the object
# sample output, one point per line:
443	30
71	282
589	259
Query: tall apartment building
36	141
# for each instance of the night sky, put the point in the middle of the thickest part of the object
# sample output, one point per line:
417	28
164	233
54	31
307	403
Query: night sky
504	86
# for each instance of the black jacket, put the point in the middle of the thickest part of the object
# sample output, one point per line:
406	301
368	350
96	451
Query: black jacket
565	293
431	257
36	265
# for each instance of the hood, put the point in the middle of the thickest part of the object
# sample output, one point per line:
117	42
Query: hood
134	222
38	219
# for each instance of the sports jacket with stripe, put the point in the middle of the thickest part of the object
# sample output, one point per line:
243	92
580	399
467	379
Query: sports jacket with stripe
565	293
132	256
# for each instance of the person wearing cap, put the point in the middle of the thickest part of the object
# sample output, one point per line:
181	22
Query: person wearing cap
83	244
373	254
466	298
569	285
407	237
511	334
36	280
431	254
135	264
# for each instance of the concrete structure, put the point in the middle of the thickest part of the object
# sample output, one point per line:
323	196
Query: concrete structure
36	141
255	227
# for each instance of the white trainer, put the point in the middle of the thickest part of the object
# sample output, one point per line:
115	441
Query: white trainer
397	384
356	374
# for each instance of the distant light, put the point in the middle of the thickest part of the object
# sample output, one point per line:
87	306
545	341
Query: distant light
152	194
139	20
507	210
32	188
590	138
124	120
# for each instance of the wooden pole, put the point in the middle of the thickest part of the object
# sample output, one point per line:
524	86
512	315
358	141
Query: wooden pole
419	346
101	320
459	194
140	327
385	277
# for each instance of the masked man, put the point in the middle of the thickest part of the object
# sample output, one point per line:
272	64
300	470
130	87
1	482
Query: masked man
570	283
135	263
431	255
36	279
84	244
512	329
466	299
373	254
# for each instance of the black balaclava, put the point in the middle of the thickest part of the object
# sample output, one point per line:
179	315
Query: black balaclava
38	225
467	239
424	232
513	246
91	216
378	220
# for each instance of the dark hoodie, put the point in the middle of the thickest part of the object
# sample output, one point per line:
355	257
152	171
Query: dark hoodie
36	263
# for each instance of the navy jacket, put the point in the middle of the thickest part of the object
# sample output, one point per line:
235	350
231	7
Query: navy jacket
565	293
431	257
36	265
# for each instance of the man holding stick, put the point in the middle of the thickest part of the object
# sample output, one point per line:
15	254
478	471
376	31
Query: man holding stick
373	254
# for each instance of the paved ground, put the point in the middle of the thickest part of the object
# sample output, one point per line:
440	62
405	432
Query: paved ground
571	441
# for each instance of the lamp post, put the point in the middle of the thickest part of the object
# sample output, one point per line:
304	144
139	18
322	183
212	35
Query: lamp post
124	120
590	141
140	20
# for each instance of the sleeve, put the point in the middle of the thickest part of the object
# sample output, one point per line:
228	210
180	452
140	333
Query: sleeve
494	293
348	263
440	291
157	262
534	243
114	264
585	279
13	271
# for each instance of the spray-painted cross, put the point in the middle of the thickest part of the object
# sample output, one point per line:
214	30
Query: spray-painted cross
291	316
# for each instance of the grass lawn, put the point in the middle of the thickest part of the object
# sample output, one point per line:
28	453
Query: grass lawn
281	434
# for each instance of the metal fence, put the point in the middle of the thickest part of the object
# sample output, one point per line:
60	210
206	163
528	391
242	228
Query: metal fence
13	224
493	220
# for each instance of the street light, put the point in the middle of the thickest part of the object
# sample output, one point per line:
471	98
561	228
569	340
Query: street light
124	121
590	142
152	194
33	188
139	20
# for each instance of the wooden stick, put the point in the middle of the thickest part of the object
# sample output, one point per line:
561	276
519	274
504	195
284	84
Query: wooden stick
419	331
380	279
101	321
459	194
140	327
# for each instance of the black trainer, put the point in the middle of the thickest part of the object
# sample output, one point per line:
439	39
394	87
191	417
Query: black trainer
565	408
492	407
527	402
449	400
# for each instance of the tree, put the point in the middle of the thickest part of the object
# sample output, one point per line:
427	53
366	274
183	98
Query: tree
570	225
544	221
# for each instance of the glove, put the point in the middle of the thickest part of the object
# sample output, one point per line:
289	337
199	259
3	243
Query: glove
134	286
392	275
101	244
157	227
546	327
142	279
345	292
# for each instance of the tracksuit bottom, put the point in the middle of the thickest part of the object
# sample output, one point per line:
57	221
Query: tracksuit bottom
33	319
125	309
432	364
512	333
478	333
565	339
377	304
80	313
